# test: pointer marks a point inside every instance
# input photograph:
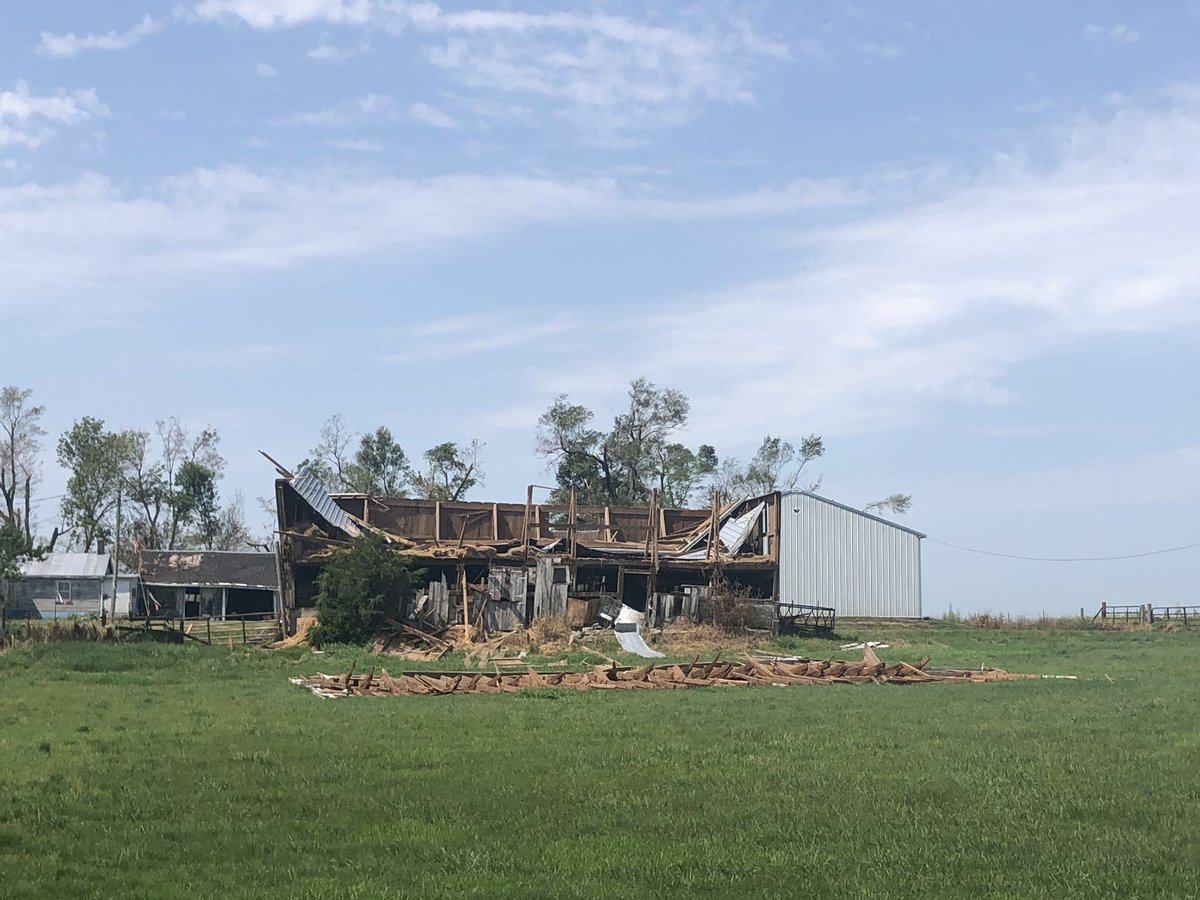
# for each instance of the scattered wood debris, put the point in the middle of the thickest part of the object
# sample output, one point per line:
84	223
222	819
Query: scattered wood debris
747	673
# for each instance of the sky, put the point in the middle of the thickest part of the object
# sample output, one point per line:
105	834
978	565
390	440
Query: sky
957	240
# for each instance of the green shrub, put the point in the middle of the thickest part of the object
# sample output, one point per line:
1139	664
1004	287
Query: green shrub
360	590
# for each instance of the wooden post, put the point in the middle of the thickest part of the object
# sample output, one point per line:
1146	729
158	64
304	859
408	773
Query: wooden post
525	523
437	522
208	628
654	511
1103	611
571	525
495	521
714	531
243	629
462	574
116	563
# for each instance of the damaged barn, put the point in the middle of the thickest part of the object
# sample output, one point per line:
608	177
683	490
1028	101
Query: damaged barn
502	565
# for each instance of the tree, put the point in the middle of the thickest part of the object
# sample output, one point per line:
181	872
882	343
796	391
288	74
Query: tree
196	502
97	461
623	465
380	466
167	493
680	472
20	457
330	460
777	465
360	590
896	503
577	451
231	531
15	548
452	470
639	435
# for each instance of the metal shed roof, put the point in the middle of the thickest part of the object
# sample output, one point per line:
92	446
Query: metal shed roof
858	512
68	565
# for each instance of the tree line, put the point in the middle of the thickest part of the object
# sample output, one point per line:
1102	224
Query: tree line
165	481
618	465
163	484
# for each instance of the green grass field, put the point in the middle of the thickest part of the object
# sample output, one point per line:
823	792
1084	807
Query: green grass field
187	771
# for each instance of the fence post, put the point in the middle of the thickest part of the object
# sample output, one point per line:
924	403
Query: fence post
1103	611
243	629
208	629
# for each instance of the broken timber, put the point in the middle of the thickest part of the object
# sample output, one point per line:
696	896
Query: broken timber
673	676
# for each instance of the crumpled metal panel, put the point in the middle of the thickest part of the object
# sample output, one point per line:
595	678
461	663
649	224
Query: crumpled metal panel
735	531
317	495
631	642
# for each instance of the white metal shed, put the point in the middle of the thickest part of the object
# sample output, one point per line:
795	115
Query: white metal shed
837	556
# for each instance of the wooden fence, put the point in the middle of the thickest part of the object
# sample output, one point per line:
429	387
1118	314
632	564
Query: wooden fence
1147	614
251	628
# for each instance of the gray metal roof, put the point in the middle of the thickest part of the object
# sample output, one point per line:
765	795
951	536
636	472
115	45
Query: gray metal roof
853	510
317	495
68	565
209	568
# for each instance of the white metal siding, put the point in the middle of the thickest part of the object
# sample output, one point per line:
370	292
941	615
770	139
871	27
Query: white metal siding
860	565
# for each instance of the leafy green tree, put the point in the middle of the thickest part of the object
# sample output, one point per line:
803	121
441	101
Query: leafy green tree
452	470
196	502
360	590
623	465
20	457
777	465
97	461
680	472
380	466
15	548
165	485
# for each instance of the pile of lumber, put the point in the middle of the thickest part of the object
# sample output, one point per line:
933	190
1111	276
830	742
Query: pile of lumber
747	673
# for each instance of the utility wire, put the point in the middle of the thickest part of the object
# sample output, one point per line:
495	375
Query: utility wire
1067	558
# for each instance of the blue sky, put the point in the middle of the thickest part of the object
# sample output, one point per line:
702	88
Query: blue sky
956	239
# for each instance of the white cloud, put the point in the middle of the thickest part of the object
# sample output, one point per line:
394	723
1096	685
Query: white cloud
908	301
357	146
357	109
937	299
28	120
431	115
328	52
609	76
65	45
266	70
90	232
1116	34
267	14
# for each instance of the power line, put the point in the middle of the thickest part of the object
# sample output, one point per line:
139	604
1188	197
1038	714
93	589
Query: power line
1067	558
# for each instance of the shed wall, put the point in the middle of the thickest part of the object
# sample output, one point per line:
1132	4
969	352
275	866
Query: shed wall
859	565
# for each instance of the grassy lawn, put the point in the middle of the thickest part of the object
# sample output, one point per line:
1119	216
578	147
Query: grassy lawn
188	771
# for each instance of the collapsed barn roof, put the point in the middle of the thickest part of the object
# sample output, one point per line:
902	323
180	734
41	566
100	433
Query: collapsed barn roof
743	529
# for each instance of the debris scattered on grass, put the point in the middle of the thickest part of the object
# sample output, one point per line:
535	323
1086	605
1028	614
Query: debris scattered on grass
748	673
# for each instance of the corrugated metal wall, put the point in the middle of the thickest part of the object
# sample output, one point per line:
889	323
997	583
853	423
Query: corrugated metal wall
831	555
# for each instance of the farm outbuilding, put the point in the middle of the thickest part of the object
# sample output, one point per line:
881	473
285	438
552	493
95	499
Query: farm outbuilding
68	584
214	584
860	565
